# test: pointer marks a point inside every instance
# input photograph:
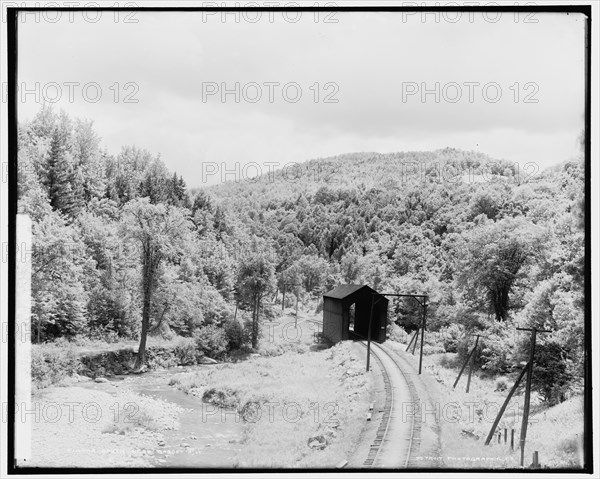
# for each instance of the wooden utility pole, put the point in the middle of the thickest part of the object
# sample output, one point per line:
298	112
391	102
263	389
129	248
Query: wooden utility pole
369	333
416	340
534	332
529	370
423	332
471	356
411	340
506	401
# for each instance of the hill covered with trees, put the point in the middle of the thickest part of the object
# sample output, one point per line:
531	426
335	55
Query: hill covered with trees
122	247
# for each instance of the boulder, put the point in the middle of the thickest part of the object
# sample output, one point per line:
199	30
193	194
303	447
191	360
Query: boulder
317	442
207	360
469	433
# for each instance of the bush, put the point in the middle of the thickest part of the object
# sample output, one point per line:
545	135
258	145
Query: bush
451	336
226	398
51	363
429	349
185	351
237	335
501	385
211	340
396	333
496	354
268	311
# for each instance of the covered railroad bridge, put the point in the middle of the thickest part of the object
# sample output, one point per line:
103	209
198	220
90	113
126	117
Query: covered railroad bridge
346	312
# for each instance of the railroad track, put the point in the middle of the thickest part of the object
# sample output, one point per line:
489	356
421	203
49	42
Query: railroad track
396	442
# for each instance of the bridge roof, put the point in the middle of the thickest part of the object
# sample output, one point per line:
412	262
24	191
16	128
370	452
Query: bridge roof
344	290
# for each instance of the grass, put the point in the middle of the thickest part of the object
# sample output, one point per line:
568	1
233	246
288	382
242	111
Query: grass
290	394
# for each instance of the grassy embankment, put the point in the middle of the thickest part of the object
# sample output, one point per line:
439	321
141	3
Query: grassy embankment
466	419
299	402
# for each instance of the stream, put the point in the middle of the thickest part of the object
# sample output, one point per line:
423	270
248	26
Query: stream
207	437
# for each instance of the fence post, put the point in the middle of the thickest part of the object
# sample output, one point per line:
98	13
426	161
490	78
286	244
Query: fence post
512	439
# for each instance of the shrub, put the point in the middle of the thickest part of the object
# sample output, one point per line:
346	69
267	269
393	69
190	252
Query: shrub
495	354
185	351
268	311
451	336
226	398
396	333
237	336
429	349
501	385
51	363
211	340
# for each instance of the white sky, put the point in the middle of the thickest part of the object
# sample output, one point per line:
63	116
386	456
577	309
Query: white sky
372	58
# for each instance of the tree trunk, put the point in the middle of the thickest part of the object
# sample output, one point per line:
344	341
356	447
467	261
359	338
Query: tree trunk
255	321
141	356
148	270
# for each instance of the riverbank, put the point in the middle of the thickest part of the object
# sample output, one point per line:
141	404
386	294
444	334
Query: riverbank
294	403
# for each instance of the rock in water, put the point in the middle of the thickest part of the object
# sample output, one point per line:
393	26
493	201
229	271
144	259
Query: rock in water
101	380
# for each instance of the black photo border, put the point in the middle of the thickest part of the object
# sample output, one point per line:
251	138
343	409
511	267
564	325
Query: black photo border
12	70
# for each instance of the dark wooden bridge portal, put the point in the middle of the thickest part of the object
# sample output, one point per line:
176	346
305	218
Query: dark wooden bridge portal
346	312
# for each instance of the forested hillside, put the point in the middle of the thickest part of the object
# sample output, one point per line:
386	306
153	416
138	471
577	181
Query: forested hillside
123	247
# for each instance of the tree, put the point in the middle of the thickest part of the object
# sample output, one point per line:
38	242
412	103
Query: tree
493	258
89	160
161	232
58	272
550	377
62	180
256	276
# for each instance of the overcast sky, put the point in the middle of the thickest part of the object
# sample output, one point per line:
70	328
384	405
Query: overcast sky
506	87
